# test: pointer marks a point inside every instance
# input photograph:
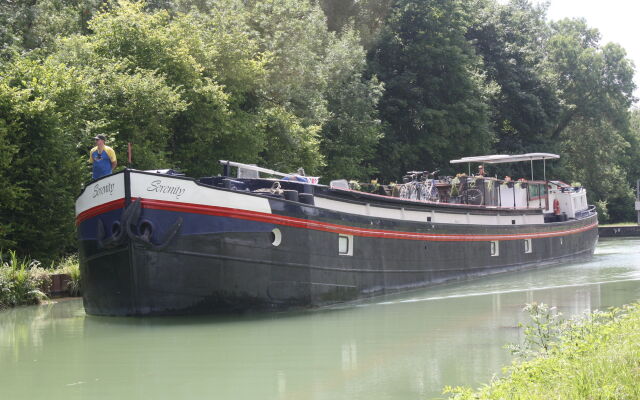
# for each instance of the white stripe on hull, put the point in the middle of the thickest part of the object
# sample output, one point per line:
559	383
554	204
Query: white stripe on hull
422	216
162	187
103	191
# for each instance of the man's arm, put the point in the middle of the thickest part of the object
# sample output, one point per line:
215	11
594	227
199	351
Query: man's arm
112	157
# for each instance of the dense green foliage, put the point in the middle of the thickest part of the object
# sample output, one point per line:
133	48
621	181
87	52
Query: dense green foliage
434	103
344	88
593	357
26	282
21	282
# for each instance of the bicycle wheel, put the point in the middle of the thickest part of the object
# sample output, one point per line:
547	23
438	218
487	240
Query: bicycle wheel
474	197
423	192
430	192
404	192
413	192
435	196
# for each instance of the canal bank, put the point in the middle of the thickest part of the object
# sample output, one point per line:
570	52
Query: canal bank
619	231
26	282
595	358
408	346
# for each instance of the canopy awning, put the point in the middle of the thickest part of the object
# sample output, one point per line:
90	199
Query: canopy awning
505	158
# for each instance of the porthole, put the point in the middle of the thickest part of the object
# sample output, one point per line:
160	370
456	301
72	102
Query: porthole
345	245
495	248
527	246
276	237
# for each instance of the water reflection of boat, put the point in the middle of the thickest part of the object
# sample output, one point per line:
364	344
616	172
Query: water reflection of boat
161	243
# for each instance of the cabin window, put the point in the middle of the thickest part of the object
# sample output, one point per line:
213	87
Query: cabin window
276	237
527	246
345	245
495	248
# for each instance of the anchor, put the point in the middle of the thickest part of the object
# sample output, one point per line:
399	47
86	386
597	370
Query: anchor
129	227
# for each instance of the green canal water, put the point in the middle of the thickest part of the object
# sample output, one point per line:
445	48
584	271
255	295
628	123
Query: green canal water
399	347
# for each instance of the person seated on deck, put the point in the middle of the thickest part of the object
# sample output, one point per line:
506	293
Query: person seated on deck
296	178
481	172
507	178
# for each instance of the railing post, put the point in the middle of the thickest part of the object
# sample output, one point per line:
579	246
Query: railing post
540	195
484	195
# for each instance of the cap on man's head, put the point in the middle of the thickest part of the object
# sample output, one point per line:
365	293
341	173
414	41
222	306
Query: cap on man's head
100	137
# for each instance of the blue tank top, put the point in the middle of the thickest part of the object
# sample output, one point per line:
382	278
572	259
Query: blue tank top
101	162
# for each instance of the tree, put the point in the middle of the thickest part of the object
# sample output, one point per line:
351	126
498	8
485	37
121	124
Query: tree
367	17
316	79
593	81
12	193
592	150
36	24
434	106
37	104
511	40
350	136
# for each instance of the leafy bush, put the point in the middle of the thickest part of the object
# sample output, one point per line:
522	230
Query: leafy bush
594	356
21	281
71	266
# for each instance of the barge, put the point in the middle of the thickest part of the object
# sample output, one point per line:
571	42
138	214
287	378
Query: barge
159	243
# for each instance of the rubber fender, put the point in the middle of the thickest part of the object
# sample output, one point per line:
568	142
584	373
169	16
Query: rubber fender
291	195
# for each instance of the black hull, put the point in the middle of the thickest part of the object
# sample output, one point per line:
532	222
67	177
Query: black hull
236	267
233	272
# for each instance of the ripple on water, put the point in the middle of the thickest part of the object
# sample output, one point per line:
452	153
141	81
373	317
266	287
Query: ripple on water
405	346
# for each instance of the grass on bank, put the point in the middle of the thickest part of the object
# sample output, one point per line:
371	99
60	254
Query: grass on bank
25	282
618	224
596	356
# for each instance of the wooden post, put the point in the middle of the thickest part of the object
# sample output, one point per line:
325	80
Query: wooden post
129	153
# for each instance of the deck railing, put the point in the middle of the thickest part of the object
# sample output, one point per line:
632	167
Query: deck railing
493	192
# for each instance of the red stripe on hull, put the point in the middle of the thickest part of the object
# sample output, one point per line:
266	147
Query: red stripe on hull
101	209
321	226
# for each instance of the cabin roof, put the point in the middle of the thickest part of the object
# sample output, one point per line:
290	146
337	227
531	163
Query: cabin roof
505	158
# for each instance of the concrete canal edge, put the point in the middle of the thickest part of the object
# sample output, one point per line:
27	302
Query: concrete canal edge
619	231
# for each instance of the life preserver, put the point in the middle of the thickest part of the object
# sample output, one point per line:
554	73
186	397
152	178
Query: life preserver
556	207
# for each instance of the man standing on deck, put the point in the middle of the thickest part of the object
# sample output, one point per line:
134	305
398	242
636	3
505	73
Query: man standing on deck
102	157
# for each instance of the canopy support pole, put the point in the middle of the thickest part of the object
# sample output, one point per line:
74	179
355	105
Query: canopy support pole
531	169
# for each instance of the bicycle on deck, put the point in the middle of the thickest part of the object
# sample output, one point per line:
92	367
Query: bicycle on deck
420	185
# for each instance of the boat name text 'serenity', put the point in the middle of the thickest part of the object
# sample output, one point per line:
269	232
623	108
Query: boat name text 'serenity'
157	186
104	189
